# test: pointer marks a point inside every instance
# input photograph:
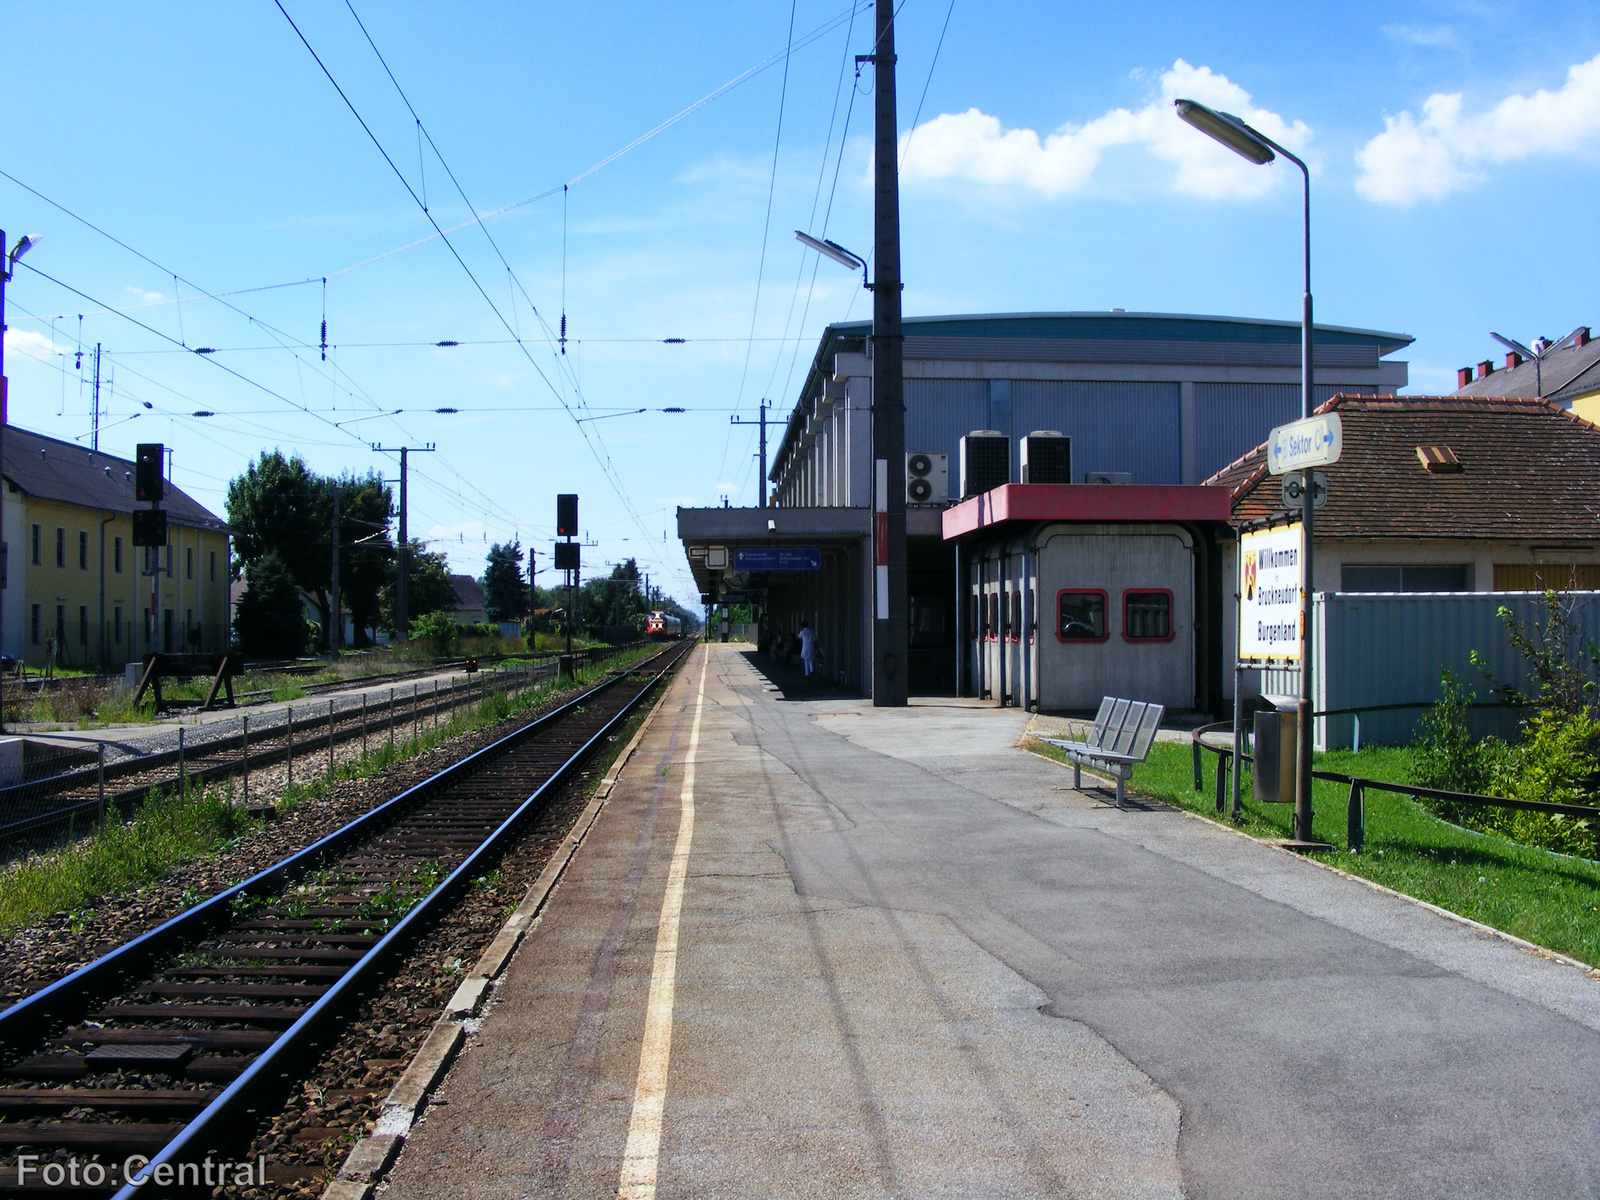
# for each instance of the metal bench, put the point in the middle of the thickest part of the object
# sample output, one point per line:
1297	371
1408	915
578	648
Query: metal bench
1123	733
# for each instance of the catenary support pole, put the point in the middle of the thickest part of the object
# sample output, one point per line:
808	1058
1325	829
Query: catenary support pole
888	400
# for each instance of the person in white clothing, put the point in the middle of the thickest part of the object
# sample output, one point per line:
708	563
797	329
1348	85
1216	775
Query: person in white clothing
808	648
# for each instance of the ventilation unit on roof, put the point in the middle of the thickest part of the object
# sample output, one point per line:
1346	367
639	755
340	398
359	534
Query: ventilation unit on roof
985	461
1438	460
1108	477
927	477
1046	457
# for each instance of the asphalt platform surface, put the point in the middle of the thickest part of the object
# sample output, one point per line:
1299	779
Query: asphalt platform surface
912	962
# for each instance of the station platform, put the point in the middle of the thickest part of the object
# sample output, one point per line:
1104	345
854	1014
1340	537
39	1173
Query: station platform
814	949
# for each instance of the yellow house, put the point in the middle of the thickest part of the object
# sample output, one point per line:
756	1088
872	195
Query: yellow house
74	585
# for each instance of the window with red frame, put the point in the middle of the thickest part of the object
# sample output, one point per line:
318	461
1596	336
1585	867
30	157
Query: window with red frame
993	632
1016	617
1147	616
1081	616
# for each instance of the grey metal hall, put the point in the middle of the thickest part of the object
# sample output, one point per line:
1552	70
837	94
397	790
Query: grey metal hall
1066	399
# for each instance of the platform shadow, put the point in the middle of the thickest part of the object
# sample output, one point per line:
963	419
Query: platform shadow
788	681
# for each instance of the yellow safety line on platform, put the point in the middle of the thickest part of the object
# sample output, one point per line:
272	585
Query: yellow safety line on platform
640	1159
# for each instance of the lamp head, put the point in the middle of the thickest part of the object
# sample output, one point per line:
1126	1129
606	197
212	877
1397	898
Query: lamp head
831	249
1227	129
24	243
1513	344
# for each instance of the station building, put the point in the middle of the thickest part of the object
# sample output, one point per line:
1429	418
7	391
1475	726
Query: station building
76	587
1152	404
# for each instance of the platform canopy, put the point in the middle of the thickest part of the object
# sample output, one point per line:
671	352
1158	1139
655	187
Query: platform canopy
1103	503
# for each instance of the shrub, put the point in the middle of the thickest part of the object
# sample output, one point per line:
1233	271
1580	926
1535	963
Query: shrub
436	630
270	621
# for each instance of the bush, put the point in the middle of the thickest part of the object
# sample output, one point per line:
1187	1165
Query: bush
437	631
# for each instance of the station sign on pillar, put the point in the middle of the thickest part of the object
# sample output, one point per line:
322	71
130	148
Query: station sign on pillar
566	555
150	525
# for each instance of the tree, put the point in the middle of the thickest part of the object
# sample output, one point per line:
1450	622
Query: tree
505	592
428	587
278	506
366	554
270	622
613	603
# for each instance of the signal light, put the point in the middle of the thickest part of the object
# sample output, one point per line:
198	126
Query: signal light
567	515
148	481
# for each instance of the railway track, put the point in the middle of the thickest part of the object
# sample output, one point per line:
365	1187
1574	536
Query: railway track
304	732
175	1046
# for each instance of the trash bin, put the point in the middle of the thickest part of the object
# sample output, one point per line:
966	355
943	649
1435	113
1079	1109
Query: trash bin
1273	775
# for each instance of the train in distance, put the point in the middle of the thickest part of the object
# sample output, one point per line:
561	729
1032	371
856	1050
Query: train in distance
663	627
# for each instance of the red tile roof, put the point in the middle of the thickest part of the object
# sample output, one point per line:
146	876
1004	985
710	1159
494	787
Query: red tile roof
1528	470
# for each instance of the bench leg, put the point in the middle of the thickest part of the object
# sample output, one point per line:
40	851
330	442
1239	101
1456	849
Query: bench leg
1077	776
1119	789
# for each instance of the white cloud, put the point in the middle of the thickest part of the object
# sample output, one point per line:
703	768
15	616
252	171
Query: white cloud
1434	37
1446	150
32	345
974	146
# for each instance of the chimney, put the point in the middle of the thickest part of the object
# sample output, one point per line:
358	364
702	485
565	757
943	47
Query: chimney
1463	376
1513	360
1485	369
1583	337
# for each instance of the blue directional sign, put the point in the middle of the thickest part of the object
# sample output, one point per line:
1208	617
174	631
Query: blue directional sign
777	558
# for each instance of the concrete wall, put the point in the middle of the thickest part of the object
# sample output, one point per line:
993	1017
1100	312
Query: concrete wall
1033	663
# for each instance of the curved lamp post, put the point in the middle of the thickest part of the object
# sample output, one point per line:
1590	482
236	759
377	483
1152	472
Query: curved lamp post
1252	144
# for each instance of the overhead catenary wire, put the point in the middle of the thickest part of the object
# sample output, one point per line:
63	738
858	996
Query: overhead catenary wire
594	443
766	229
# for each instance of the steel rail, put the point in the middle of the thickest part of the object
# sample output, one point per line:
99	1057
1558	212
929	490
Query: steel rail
219	1125
72	996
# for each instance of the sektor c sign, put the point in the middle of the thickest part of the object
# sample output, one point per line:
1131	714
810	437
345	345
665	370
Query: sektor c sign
1314	442
1269	595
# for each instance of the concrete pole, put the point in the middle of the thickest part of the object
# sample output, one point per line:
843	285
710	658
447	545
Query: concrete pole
888	400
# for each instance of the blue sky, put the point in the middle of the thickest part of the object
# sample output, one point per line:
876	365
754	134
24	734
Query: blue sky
1456	149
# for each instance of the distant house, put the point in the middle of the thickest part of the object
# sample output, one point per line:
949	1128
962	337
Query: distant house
469	606
1447	494
1569	377
76	586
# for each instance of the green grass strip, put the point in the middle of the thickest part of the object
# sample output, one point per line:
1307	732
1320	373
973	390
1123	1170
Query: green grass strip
1549	899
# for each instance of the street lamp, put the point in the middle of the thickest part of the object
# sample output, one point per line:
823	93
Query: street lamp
1538	355
1257	147
25	243
831	249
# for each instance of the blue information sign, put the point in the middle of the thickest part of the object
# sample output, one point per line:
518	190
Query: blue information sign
777	558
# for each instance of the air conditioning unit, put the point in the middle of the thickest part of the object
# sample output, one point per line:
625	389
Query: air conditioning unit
1108	477
1046	457
985	461
927	477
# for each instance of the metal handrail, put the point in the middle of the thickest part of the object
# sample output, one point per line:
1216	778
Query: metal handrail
1355	815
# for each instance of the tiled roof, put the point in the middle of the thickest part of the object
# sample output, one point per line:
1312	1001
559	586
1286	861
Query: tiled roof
51	469
1527	470
469	593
